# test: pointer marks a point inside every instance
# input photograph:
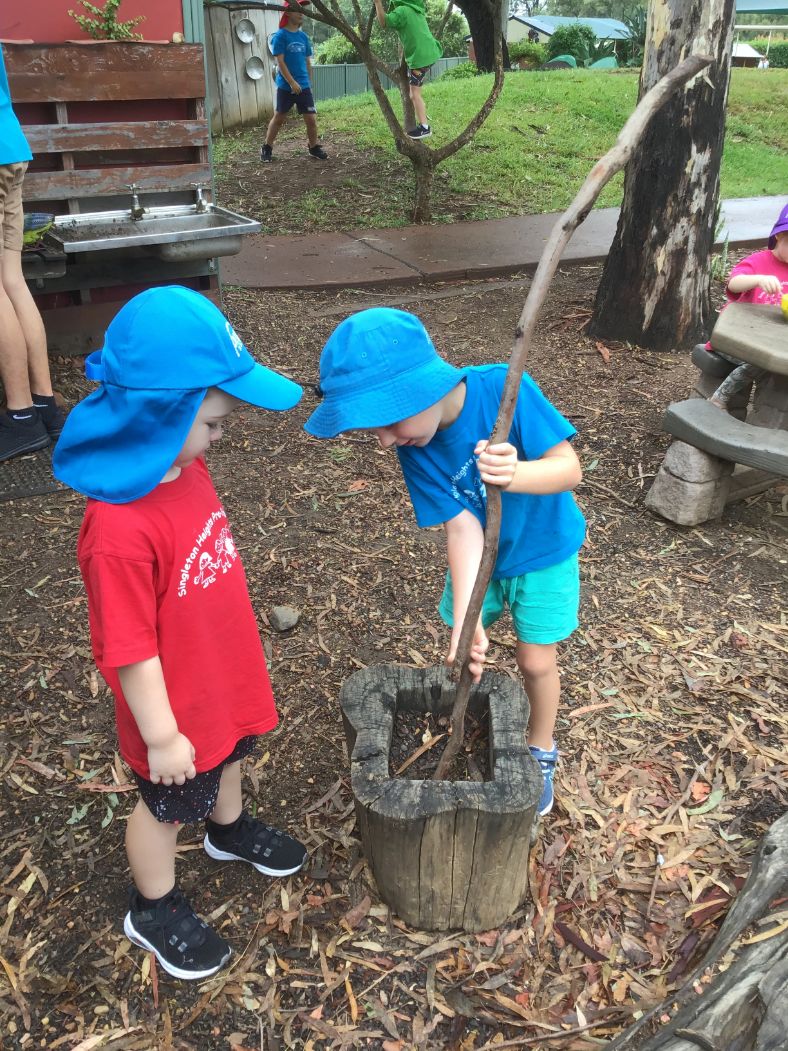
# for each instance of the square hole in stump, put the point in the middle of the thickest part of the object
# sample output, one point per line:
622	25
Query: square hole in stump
419	737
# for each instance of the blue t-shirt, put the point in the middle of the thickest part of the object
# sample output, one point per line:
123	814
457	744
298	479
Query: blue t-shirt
295	48
13	144
443	479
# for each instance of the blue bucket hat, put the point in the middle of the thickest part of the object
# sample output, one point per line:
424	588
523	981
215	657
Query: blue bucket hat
161	353
378	367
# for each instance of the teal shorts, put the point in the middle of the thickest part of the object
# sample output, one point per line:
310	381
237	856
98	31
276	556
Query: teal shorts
543	603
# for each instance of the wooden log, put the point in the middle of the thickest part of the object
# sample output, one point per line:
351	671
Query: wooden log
744	1008
444	854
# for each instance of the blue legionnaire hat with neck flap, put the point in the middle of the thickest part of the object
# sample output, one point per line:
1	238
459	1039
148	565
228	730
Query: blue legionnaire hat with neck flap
377	368
161	353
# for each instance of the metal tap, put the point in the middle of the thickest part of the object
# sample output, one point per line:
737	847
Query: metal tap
200	204
137	210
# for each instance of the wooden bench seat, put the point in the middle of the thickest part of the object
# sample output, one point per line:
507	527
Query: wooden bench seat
708	427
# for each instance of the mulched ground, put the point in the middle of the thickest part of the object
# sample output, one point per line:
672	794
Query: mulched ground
673	731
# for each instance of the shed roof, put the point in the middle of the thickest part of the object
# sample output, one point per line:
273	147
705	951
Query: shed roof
604	28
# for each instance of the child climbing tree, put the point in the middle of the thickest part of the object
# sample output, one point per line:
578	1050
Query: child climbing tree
420	48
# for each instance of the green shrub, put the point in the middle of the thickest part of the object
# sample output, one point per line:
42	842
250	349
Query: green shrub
462	71
102	23
525	50
574	39
778	52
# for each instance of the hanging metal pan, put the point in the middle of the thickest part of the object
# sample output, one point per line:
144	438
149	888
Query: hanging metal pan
254	67
244	30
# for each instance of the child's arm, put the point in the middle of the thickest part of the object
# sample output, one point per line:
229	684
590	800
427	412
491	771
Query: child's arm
464	542
744	282
380	12
170	753
295	87
556	471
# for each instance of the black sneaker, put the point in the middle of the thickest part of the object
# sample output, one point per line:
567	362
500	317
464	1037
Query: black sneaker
21	432
184	945
266	153
272	852
53	418
318	152
421	131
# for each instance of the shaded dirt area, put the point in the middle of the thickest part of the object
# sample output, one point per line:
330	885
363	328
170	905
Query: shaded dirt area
296	194
673	731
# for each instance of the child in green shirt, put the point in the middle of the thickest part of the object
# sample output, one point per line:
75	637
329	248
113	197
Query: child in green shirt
421	49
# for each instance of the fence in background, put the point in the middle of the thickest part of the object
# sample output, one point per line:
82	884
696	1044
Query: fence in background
334	82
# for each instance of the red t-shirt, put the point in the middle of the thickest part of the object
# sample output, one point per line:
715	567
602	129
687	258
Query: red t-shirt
765	262
163	578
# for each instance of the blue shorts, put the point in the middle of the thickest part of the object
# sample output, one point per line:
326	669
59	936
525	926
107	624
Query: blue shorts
304	103
543	603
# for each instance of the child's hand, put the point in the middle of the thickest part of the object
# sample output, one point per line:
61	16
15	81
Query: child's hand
478	654
497	463
769	283
296	88
172	762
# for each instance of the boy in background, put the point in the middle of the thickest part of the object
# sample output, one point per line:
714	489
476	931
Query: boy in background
421	49
292	49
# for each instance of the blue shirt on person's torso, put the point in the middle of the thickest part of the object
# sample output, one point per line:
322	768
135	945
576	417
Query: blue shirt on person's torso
294	48
13	144
442	477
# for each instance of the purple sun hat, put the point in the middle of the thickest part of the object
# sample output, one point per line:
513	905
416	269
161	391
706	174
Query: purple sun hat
781	226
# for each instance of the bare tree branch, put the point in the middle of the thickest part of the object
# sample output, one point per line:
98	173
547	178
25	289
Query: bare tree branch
602	172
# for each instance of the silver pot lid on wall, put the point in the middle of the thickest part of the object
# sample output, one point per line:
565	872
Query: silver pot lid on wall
244	30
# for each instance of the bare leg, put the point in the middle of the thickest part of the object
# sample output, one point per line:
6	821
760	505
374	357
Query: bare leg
539	668
418	104
29	321
229	802
311	129
274	125
150	846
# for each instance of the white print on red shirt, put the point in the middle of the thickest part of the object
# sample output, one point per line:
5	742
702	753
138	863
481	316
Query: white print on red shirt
208	566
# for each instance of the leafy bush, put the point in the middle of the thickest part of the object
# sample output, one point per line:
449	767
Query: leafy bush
462	71
337	49
778	53
524	50
574	39
102	23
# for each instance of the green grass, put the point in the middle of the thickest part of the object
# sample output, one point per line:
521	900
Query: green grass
537	146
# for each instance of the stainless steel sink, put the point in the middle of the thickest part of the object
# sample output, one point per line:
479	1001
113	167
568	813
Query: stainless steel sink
175	232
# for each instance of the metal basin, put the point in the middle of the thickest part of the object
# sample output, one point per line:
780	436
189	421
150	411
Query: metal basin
175	232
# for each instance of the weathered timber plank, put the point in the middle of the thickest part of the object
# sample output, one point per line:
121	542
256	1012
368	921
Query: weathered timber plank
223	37
104	71
103	182
755	334
462	857
392	847
436	870
708	427
500	858
121	135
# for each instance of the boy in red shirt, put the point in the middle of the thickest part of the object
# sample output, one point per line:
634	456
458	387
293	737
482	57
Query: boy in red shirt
172	625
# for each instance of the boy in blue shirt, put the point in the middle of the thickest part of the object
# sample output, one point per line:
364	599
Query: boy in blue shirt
292	50
379	372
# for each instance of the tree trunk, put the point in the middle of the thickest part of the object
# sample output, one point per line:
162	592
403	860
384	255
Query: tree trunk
655	285
422	206
484	29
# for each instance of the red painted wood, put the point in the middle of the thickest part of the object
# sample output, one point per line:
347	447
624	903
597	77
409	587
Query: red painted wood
48	21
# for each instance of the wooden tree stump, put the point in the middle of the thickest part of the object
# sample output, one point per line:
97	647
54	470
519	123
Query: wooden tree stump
444	854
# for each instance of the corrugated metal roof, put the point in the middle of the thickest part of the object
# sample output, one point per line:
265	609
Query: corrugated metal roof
604	28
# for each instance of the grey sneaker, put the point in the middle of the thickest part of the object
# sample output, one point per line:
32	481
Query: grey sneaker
266	153
318	152
421	131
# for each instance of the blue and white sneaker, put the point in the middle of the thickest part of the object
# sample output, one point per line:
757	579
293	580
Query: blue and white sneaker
547	763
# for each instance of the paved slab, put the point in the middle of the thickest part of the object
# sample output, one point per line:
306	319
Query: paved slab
455	251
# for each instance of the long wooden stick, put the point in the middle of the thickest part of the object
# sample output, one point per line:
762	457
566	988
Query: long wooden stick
602	172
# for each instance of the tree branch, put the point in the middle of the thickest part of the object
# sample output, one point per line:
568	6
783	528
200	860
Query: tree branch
602	172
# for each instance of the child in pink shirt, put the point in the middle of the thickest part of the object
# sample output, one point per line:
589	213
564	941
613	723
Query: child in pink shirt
763	276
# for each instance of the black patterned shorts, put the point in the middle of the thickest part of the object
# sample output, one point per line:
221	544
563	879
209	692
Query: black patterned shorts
194	800
416	76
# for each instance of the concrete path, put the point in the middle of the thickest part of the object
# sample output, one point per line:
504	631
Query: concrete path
407	255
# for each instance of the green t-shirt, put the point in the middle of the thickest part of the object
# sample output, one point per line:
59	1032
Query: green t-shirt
420	46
